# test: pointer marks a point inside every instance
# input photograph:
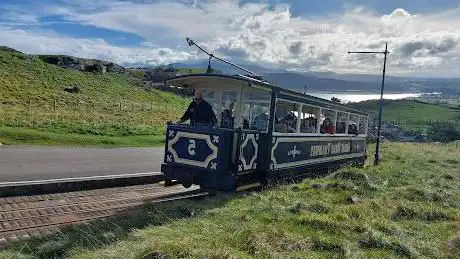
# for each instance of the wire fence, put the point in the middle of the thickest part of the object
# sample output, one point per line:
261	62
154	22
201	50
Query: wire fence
78	106
104	118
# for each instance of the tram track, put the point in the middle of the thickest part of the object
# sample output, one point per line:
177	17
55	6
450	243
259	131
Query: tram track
31	216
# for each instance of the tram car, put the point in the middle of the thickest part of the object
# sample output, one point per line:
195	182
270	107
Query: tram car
262	132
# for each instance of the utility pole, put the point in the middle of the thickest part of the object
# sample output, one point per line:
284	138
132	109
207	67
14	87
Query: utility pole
305	88
379	127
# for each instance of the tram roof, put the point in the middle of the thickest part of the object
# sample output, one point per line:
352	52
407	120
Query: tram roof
194	80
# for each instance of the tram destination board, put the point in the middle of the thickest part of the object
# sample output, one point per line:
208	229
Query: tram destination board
297	151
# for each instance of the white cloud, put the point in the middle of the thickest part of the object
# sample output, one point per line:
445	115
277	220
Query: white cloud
42	42
419	43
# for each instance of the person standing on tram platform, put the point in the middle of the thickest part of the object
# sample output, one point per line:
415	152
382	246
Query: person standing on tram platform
199	112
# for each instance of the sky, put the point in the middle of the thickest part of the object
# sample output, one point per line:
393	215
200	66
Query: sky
300	35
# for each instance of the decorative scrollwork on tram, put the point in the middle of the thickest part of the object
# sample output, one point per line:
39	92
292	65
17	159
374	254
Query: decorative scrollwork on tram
249	151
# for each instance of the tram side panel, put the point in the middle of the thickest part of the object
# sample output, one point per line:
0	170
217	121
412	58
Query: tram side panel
251	160
195	155
295	152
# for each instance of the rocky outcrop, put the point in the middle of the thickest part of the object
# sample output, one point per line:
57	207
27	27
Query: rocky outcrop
72	89
81	64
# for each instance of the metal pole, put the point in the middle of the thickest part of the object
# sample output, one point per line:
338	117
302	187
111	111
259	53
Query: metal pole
379	127
191	43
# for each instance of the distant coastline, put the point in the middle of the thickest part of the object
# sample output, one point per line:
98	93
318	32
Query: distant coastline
359	96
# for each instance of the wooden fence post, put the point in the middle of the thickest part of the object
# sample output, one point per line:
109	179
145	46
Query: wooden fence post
54	105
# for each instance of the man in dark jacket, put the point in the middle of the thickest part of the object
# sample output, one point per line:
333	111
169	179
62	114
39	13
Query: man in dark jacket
199	112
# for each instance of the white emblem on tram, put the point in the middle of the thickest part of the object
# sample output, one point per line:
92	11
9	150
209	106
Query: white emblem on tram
294	152
191	147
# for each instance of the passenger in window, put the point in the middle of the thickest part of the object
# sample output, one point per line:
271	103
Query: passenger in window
340	127
327	127
245	124
286	126
352	129
308	125
260	122
199	112
227	119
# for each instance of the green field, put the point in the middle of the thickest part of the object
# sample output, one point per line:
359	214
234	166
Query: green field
108	106
411	114
407	207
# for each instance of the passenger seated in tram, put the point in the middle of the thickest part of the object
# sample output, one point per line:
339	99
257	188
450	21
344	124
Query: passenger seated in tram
340	127
260	122
352	129
308	125
286	125
245	124
327	127
227	119
199	112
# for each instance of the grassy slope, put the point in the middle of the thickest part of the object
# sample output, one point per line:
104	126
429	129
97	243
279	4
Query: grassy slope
412	115
406	207
29	88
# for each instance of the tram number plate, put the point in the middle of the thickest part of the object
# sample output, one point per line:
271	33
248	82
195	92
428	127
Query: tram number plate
191	147
195	149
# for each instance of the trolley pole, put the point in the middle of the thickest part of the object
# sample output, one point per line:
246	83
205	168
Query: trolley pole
379	127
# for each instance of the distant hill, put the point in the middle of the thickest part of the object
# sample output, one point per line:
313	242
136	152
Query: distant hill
330	81
297	81
412	115
226	68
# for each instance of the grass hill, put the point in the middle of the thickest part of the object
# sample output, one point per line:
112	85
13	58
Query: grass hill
407	207
42	103
412	115
96	108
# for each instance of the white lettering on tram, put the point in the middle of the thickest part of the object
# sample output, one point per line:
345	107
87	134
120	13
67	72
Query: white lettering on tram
329	149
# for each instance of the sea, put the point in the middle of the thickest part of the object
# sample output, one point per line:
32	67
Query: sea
357	96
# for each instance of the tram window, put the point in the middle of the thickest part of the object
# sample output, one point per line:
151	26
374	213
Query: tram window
309	119
362	125
285	117
353	124
210	97
228	105
328	118
255	116
340	126
256	109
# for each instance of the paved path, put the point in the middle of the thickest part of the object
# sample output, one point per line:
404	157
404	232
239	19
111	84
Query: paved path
24	163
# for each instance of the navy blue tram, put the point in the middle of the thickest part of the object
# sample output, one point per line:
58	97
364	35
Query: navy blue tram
262	131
